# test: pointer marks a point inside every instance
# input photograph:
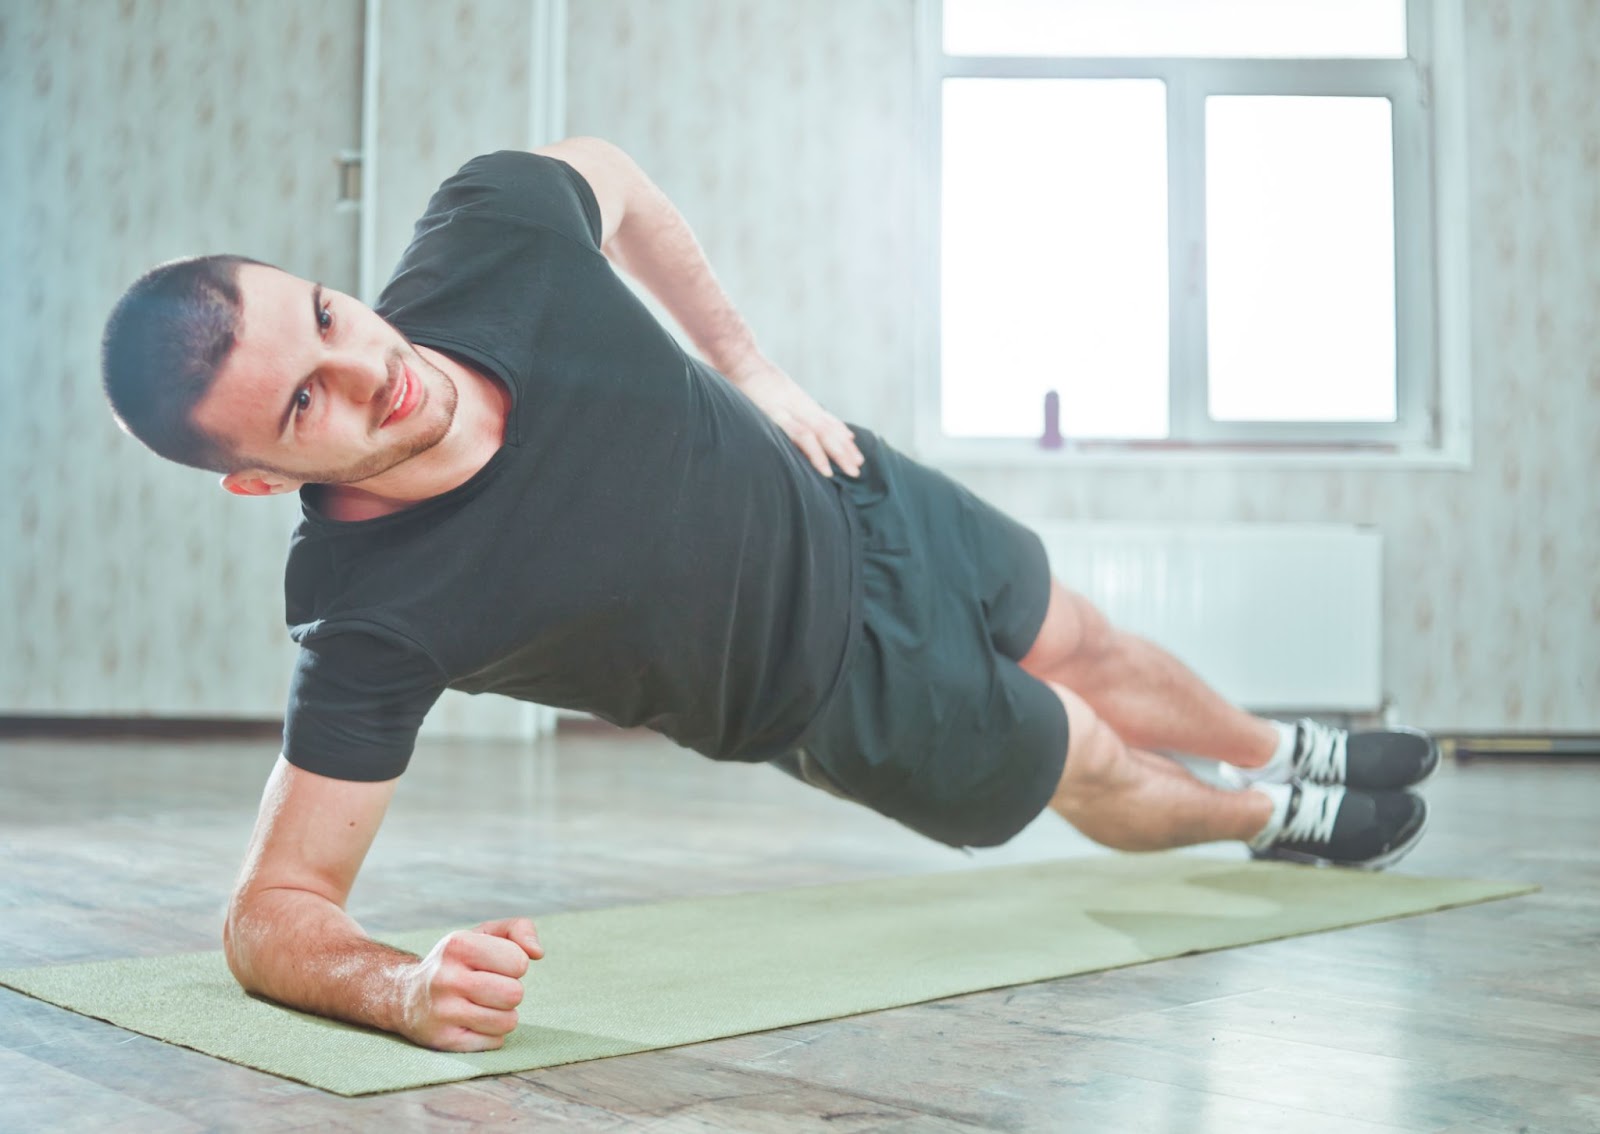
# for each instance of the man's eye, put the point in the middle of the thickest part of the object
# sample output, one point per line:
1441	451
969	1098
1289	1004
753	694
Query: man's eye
302	400
325	317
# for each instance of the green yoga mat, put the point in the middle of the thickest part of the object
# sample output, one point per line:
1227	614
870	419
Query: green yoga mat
650	976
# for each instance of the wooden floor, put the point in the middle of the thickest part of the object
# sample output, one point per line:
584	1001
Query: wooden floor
1480	1019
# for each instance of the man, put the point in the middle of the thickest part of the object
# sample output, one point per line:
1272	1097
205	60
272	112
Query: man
513	480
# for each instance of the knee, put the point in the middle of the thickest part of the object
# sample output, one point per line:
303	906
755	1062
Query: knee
1074	639
1094	755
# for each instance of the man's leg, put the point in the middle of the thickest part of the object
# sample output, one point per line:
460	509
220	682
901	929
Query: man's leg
1149	698
1138	801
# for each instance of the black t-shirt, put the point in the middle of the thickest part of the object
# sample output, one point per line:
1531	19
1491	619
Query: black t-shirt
645	546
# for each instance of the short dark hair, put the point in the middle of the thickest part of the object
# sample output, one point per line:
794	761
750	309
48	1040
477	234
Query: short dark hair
164	342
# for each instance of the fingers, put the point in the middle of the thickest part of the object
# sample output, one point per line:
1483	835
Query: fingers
840	444
486	952
464	995
811	446
466	1040
491	990
517	930
815	432
491	1022
831	440
469	1027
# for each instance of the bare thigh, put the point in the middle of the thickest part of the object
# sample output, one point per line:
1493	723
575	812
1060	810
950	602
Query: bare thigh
1074	635
1131	799
1097	760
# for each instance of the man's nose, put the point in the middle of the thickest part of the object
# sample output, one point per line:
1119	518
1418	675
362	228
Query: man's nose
359	377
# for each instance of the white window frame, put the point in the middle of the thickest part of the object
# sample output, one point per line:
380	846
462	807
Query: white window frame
1426	90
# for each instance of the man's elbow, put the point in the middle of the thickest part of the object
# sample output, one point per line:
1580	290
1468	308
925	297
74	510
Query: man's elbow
590	154
246	935
615	178
233	940
589	143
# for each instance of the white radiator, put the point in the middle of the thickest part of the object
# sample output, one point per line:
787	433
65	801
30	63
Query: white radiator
1274	616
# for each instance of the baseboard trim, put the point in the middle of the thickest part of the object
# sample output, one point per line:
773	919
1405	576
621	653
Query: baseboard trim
152	728
584	723
1525	746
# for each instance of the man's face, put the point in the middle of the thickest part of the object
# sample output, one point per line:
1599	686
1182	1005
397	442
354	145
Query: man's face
319	389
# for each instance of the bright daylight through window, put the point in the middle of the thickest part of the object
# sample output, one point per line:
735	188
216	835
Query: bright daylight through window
1186	222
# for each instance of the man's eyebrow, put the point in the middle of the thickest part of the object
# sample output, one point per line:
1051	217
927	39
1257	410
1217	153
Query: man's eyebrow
316	326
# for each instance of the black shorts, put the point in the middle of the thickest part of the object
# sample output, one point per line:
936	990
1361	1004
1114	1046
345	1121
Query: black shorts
935	725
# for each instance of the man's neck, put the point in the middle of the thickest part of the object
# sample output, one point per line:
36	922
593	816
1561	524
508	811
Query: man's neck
478	430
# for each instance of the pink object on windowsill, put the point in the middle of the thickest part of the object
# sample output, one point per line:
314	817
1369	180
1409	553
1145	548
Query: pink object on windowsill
1052	422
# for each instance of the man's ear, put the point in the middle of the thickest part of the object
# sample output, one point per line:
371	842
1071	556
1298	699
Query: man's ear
252	482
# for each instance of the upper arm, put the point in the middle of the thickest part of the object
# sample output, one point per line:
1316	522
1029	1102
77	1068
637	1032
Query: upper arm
613	176
312	833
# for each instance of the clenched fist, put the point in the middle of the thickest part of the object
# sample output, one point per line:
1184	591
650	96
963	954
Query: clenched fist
463	995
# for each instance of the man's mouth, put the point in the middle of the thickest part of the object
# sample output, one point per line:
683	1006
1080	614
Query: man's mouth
405	398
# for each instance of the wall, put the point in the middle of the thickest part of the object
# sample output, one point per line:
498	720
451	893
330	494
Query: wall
133	133
784	132
144	130
440	103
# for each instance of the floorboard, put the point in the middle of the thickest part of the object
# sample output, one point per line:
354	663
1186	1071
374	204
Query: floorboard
1468	1020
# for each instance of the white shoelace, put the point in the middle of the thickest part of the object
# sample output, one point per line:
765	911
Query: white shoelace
1313	818
1322	757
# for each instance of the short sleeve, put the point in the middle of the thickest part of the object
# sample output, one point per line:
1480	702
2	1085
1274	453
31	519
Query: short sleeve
533	188
356	701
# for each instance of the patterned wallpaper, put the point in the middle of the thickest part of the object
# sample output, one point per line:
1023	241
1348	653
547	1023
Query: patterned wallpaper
156	128
435	113
784	132
139	130
131	133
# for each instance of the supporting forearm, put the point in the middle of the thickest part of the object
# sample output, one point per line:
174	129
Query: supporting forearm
655	245
302	950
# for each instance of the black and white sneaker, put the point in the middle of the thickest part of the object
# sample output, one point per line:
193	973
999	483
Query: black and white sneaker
1334	826
1377	760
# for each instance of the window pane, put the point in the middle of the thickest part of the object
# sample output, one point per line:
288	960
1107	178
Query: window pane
1247	28
1054	246
1300	259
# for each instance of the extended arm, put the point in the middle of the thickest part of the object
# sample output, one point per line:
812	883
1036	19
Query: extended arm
288	937
644	234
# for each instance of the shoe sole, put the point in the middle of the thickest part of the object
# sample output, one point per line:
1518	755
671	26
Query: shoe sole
1386	859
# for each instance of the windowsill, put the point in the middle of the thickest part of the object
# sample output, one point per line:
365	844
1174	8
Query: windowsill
947	452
